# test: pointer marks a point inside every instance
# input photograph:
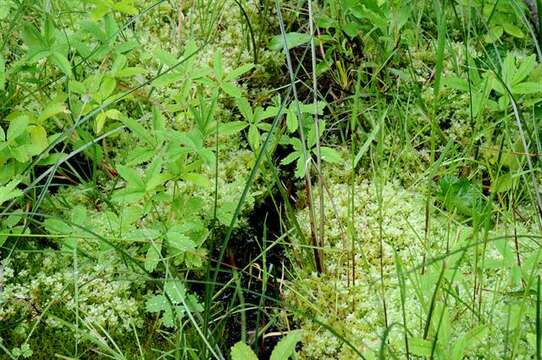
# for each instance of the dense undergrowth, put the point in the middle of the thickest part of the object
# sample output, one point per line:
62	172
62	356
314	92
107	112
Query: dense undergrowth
248	179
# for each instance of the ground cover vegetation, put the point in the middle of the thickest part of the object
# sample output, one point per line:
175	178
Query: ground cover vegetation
270	179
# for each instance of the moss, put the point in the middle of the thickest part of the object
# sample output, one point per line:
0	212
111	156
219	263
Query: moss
40	288
397	223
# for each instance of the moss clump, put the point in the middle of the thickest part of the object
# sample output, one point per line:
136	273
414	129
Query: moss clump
394	251
48	289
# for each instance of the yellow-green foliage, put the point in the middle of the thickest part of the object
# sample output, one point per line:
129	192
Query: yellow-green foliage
391	218
55	285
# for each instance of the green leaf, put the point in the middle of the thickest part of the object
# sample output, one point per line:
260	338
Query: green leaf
231	89
125	7
330	155
244	108
153	256
525	69
38	136
93	29
56	226
493	34
461	195
366	144
352	28
234	74
2	72
62	62
118	64
420	347
300	167
100	122
456	83
9	191
502	183
4	9
33	38
231	128
241	351
290	158
52	109
269	112
167	318
312	108
293	39
219	71
197	179
156	303
513	30
526	88
78	215
131	176
286	346
158	121
468	340
107	87
224	213
254	137
291	119
175	290
180	241
139	130
113	114
508	68
17	127
129	72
